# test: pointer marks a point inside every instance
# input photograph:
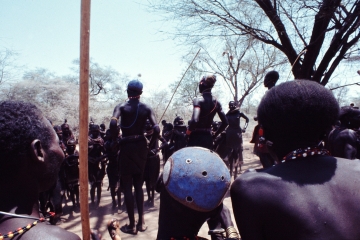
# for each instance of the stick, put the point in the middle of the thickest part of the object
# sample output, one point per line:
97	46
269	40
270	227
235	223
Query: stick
84	116
178	85
358	83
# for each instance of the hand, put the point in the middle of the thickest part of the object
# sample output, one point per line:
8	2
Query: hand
214	137
95	235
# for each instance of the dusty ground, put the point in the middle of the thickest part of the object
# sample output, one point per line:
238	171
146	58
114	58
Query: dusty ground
99	217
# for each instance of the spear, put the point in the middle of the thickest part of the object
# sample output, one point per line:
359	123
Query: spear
178	85
84	116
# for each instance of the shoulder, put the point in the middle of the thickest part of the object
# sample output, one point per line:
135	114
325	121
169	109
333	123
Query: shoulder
218	104
346	135
198	100
120	105
348	166
145	106
254	184
55	232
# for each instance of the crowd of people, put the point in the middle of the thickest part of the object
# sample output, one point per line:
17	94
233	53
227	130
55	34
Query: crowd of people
307	188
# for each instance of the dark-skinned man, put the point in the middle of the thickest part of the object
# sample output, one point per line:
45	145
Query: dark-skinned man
96	164
30	161
344	139
134	149
234	139
309	194
266	159
205	108
152	166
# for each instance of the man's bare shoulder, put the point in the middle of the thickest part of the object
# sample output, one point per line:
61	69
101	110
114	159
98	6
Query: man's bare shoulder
198	100
347	166
255	183
49	232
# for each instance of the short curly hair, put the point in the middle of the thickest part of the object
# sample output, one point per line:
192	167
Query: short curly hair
20	124
299	110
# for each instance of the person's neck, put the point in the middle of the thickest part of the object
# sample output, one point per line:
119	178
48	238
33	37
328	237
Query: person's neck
281	149
134	98
20	199
206	94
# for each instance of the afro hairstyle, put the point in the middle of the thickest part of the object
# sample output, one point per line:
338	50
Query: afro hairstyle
299	112
20	124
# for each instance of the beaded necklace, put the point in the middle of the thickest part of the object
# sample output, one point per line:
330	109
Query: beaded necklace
135	97
305	152
21	230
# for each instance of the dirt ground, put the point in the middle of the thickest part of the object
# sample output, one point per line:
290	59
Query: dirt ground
71	220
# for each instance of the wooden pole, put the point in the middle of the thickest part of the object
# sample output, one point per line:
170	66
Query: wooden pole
84	116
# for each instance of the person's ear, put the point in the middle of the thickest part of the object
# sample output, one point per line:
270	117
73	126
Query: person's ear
37	152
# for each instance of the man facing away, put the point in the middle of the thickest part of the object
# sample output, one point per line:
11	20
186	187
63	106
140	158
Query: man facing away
205	108
134	148
310	194
30	161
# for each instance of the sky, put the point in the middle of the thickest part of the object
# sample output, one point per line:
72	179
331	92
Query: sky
123	35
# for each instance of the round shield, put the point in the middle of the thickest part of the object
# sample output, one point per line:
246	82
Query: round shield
196	177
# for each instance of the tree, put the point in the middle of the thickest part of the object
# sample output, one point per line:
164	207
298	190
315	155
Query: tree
158	101
340	93
189	86
243	64
55	97
105	83
314	35
7	65
39	75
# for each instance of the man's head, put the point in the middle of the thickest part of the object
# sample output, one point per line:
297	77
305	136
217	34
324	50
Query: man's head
148	125
28	141
232	105
178	121
102	127
58	131
271	79
71	146
207	83
297	114
163	122
350	117
95	130
134	88
65	128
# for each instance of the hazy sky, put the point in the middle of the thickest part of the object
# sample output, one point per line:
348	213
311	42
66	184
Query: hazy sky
124	35
46	34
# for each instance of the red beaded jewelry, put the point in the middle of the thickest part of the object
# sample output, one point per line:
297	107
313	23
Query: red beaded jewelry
21	230
302	153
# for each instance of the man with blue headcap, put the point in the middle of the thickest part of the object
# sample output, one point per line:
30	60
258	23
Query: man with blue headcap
192	187
134	148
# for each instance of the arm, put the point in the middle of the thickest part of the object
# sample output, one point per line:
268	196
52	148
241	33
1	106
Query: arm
224	121
246	211
195	116
246	119
156	128
114	122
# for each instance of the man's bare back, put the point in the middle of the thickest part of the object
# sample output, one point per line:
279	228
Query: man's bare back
300	199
